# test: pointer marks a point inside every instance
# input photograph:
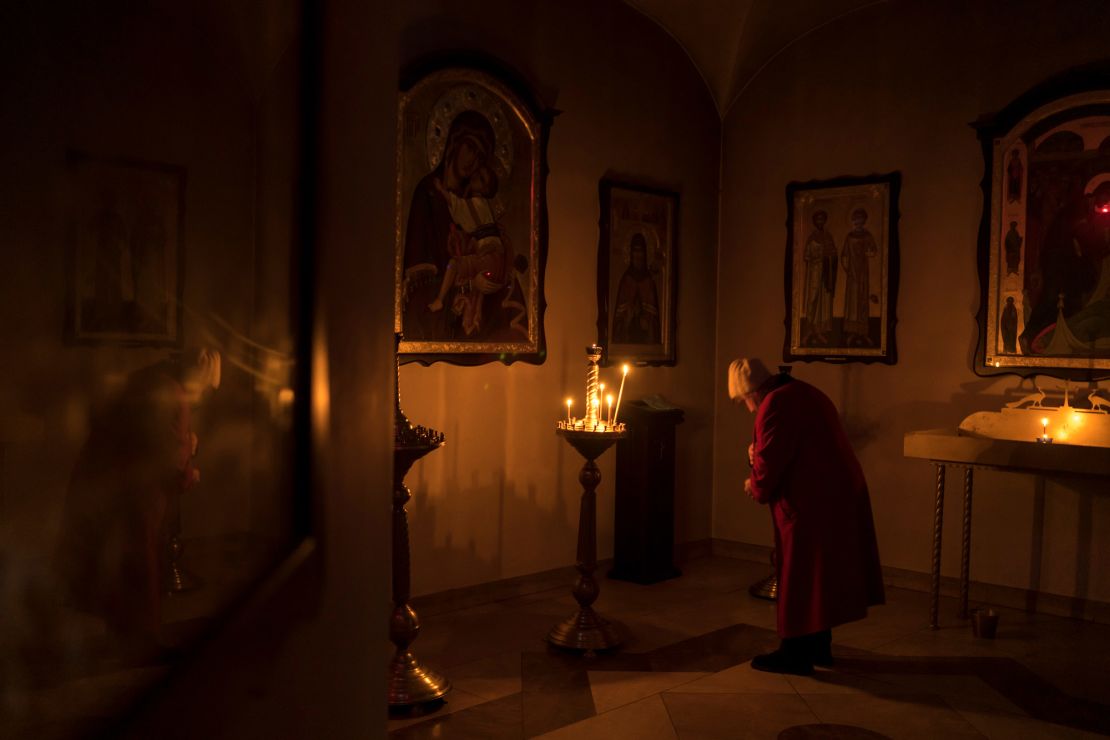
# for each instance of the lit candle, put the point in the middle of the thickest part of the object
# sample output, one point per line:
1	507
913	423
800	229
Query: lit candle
1044	426
610	416
569	402
620	393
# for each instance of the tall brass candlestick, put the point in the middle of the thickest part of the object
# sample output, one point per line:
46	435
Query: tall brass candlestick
410	682
586	629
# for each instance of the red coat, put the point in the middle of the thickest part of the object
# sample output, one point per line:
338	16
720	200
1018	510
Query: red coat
804	467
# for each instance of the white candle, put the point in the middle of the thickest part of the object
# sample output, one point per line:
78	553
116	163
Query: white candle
610	415
1044	425
569	402
620	394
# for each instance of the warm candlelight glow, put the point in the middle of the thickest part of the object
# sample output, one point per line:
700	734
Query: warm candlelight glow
597	418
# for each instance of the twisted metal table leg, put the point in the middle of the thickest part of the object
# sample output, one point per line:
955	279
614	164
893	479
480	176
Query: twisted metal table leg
965	555
938	531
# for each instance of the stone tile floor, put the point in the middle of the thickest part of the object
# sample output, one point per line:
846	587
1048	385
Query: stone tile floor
685	671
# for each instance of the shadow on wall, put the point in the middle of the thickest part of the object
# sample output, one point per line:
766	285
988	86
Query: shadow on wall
494	512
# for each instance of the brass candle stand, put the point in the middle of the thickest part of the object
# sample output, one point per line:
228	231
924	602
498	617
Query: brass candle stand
768	587
410	683
586	629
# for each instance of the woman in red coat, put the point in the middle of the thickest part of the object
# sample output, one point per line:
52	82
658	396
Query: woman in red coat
139	457
827	556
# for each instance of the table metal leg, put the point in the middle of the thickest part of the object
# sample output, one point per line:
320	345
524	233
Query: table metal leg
965	555
938	527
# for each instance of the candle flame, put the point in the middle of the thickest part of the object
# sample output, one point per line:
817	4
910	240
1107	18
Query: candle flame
625	368
1044	422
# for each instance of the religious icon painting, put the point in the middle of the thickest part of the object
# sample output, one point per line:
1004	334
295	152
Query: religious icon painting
471	232
1044	250
637	276
842	269
124	255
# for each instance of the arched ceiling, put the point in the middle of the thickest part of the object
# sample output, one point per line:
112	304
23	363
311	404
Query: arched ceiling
730	41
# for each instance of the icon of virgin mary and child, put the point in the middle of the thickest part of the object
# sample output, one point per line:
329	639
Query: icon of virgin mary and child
459	281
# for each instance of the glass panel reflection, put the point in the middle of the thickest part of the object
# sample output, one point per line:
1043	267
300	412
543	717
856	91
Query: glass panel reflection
146	370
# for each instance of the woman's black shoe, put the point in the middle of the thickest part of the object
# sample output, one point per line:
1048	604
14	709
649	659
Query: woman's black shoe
821	648
782	661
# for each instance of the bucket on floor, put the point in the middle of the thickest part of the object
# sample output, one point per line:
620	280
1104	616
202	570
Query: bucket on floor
984	623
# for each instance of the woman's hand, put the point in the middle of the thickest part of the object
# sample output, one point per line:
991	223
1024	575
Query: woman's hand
748	488
751	455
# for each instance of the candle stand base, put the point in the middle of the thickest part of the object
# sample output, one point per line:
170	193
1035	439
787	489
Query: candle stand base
765	588
411	683
587	630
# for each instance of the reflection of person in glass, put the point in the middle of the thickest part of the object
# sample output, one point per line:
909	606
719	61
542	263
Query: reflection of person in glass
429	234
859	247
636	318
139	454
820	259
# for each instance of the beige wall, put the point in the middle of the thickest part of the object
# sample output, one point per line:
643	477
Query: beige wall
894	87
501	498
